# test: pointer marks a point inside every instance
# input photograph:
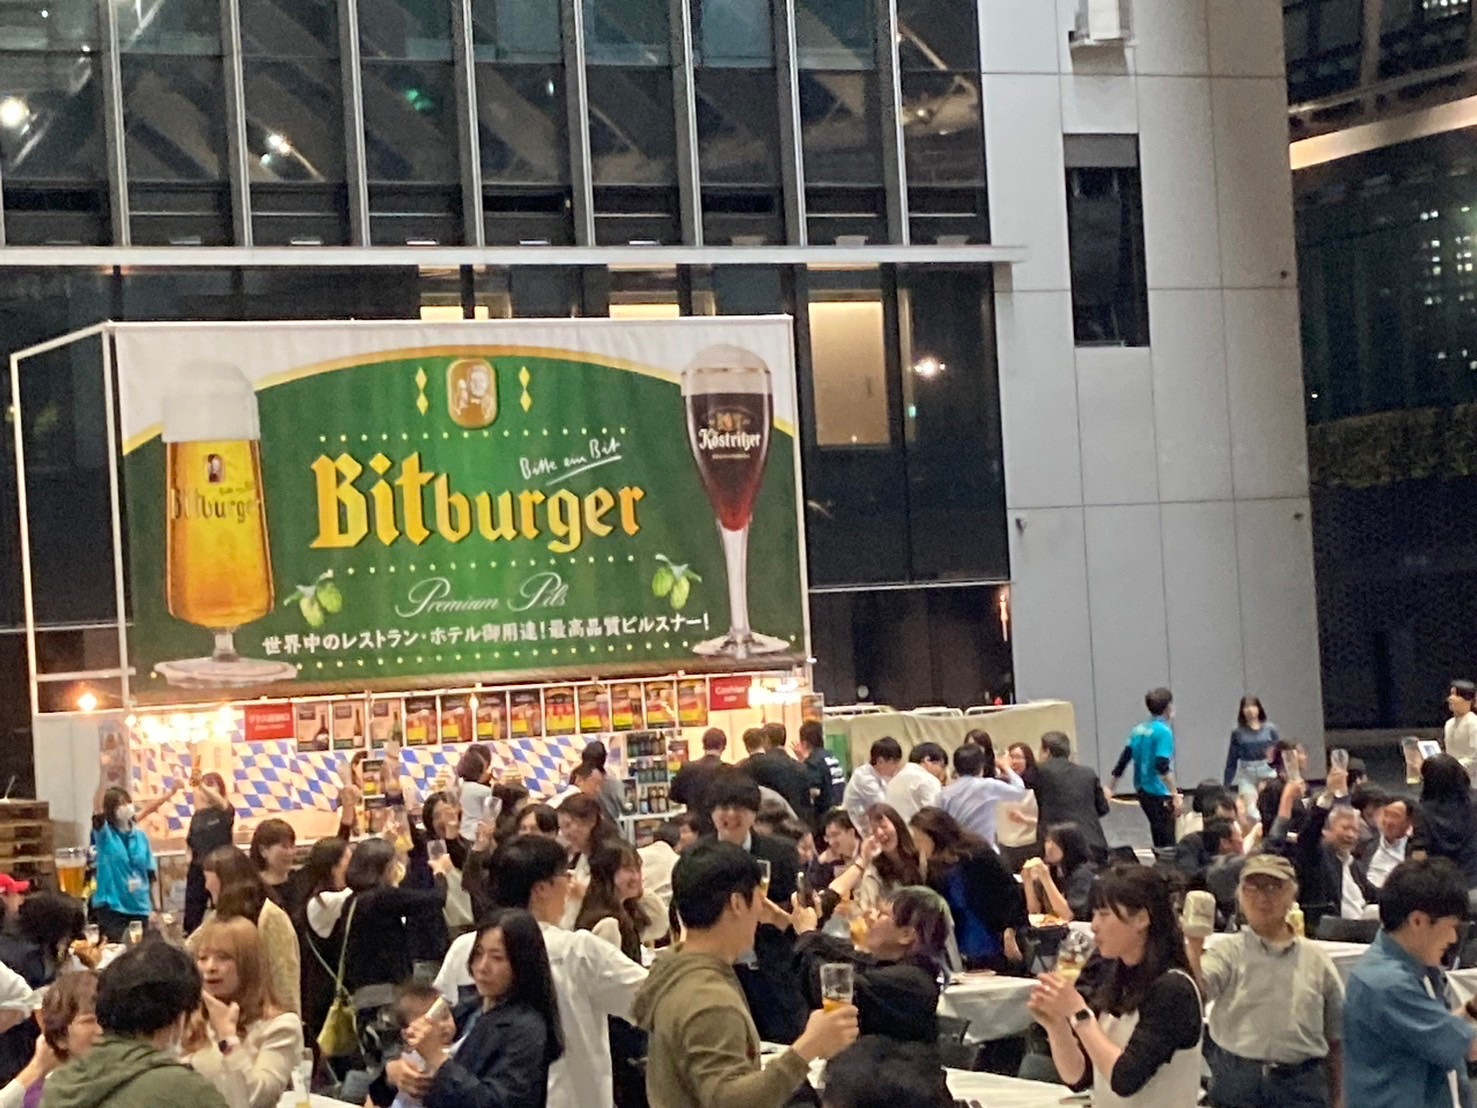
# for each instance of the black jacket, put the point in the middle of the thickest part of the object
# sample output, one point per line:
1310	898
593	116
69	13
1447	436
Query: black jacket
991	894
771	987
827	780
1447	829
692	781
774	769
1070	793
896	999
503	1063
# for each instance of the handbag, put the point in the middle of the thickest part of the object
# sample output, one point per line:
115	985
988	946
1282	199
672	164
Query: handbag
339	1036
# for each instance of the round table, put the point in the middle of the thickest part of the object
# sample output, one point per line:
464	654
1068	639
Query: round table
291	1099
994	1005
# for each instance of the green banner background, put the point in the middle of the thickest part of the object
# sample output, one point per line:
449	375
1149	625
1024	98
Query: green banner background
372	642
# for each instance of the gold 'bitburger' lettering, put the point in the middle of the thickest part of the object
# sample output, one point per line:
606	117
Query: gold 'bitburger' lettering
395	508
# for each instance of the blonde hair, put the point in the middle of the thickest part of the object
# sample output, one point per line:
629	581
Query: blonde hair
238	939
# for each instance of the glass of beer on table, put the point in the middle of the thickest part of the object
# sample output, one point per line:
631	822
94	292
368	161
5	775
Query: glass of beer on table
838	985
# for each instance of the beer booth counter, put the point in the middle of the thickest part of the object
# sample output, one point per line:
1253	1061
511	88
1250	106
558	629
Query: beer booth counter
346	537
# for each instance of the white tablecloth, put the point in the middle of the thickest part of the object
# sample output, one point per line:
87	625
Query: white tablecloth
1344	955
290	1099
993	1091
994	1006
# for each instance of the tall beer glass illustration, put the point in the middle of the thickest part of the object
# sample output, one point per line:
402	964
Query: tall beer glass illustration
729	404
218	565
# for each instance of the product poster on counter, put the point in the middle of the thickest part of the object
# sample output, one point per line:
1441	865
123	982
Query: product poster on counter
456	719
692	702
421	727
594	709
661	703
526	713
386	722
313	733
492	716
560	717
625	706
348	724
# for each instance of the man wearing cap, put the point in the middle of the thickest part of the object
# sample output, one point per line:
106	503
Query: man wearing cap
11	894
1277	1015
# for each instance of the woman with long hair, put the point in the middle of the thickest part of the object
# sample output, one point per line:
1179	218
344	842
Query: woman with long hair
211	827
320	926
986	902
442	818
509	1033
1136	1040
236	890
616	907
1445	825
1248	760
583	829
273	850
1015	821
897	954
247	1044
888	861
1061	881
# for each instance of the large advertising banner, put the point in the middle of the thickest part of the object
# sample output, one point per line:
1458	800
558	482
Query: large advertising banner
350	506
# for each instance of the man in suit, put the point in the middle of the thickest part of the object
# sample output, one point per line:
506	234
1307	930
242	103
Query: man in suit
766	975
692	779
1330	881
1069	793
770	765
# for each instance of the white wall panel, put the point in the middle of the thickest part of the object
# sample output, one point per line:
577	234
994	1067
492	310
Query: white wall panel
1020	36
1269	446
1053	653
1177	159
1027	177
1099	105
1202	603
1130	648
1279	616
1115	398
1246	38
1170	38
1187	335
1038	399
1253	183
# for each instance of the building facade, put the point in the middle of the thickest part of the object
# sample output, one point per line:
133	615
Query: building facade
1044	289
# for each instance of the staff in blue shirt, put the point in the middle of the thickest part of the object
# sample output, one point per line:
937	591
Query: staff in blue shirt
1402	1048
1150	747
125	862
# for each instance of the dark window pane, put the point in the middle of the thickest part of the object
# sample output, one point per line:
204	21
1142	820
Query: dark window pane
170	26
835	34
290	28
50	118
732	32
410	121
738	126
627	32
294	120
407	29
840	128
1105	227
933	35
522	124
48	24
951	410
632	126
516	30
174	119
941	129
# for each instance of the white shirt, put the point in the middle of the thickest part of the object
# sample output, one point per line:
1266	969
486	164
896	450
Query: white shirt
592	980
1386	856
912	790
866	788
657	862
1351	899
1461	739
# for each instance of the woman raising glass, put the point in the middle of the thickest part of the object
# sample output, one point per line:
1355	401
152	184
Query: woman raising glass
1136	1039
888	861
1015	821
583	829
211	828
506	1037
247	1045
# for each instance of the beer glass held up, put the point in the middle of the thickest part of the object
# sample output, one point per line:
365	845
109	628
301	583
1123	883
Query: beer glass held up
728	396
218	564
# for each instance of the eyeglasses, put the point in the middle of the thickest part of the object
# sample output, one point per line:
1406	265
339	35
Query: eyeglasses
1266	886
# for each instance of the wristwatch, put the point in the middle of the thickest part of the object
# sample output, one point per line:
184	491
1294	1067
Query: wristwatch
228	1044
1079	1017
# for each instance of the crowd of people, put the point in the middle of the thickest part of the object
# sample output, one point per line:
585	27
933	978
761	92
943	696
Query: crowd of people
480	947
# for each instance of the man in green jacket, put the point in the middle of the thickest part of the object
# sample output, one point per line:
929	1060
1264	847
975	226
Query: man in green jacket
703	1050
144	1003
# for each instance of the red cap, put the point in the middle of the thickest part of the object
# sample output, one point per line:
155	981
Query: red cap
10	885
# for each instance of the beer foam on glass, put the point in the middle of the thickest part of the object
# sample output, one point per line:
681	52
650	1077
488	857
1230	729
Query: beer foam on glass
729	399
218	565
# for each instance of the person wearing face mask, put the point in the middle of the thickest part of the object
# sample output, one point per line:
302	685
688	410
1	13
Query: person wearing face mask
145	1000
125	862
